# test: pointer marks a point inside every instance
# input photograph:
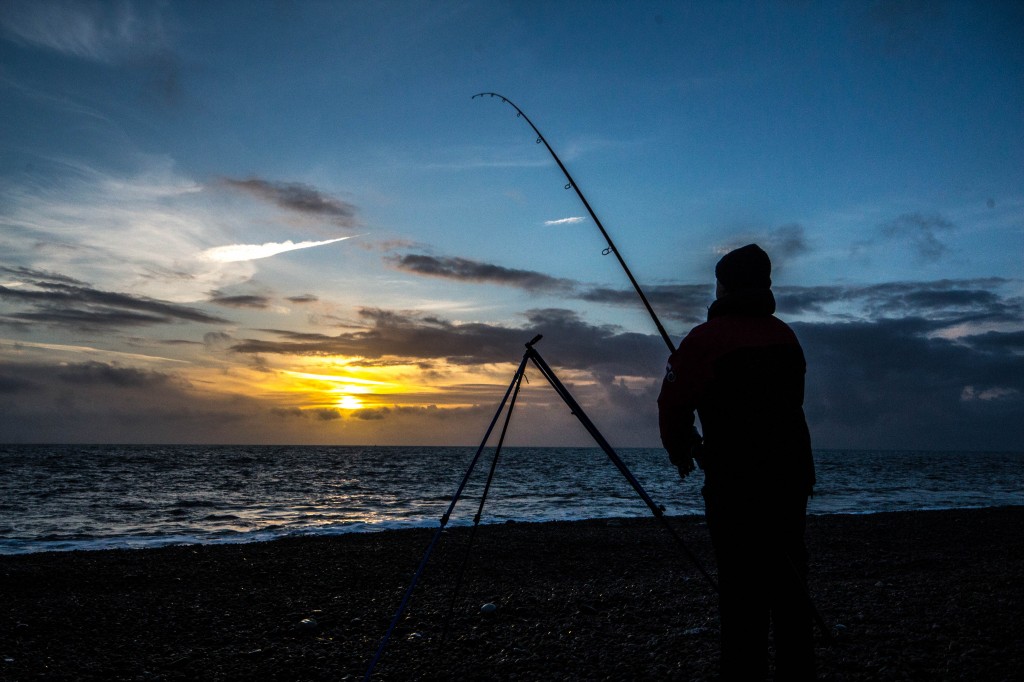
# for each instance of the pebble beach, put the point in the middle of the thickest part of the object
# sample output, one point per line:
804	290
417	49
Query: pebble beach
934	595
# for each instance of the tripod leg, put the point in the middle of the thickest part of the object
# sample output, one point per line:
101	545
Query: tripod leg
563	392
480	510
444	522
574	406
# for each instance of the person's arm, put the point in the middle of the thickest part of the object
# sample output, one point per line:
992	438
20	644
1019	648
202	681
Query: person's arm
683	383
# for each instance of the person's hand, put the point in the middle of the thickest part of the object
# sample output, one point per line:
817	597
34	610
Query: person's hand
696	451
685	467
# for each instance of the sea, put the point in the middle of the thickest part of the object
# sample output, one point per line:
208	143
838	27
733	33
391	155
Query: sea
83	497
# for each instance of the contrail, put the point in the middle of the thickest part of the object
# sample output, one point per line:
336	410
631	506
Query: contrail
565	221
241	252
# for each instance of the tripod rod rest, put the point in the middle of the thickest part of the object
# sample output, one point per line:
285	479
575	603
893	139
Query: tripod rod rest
534	340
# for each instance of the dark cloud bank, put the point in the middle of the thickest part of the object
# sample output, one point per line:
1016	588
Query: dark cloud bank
240	300
685	303
55	300
885	368
100	402
298	198
425	338
886	384
884	377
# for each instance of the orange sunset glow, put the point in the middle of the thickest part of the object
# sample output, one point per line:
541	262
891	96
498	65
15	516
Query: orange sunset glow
224	233
347	391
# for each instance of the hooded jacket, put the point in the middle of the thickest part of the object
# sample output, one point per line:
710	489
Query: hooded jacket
743	372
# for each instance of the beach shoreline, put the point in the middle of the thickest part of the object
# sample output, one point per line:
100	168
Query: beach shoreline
912	595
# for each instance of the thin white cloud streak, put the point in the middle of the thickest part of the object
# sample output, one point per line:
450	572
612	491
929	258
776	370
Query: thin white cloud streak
97	31
137	232
565	221
58	102
234	253
20	345
970	393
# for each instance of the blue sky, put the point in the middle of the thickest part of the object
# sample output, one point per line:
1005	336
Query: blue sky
411	239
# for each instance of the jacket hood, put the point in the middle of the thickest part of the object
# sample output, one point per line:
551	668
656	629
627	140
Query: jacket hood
746	302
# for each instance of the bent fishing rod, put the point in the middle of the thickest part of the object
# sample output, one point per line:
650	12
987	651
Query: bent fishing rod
572	184
657	323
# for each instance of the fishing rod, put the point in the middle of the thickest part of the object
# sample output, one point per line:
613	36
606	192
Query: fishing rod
826	633
572	184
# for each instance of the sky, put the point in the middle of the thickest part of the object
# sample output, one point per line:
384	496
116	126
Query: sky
290	222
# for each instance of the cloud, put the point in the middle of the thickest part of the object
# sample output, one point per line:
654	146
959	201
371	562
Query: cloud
234	253
298	198
786	242
388	245
997	342
84	320
681	302
890	384
418	339
217	340
241	301
303	298
25	274
782	243
97	373
881	379
565	221
57	303
589	358
578	344
14	384
998	393
96	31
34	349
475	271
141	231
96	402
942	302
925	365
326	414
921	231
391	333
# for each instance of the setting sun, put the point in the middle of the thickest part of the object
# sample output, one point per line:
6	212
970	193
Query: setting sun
348	402
341	391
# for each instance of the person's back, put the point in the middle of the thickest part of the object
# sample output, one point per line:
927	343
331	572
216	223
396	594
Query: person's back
743	373
751	406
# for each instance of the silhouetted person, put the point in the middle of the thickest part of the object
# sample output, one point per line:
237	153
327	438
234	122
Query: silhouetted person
743	373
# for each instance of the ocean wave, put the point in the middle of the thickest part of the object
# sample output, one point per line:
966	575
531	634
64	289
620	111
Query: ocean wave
128	497
221	517
195	504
